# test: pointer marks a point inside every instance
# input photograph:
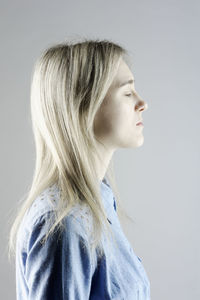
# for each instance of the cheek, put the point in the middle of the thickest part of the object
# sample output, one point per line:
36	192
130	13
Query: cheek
115	117
117	122
123	115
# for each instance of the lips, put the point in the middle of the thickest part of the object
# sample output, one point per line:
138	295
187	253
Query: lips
139	123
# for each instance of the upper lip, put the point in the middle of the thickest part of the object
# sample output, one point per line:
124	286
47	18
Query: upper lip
139	121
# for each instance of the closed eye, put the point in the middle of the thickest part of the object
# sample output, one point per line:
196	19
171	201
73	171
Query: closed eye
128	95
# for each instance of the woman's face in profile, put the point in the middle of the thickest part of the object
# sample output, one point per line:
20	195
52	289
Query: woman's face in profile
115	122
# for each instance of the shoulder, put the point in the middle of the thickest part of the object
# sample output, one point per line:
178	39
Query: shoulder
41	207
41	216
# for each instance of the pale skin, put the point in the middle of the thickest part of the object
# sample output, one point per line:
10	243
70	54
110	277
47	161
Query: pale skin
115	122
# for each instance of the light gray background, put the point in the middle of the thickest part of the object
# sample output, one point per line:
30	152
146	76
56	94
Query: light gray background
158	182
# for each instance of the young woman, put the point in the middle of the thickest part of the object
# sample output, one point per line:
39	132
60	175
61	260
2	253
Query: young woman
66	237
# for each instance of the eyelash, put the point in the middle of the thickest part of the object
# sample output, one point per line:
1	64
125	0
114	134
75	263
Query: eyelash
128	95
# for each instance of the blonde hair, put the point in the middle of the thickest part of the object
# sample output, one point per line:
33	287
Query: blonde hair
69	83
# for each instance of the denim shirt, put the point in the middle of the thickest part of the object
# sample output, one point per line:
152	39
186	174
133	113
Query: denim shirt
64	269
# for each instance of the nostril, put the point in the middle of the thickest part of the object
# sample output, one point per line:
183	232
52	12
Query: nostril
143	105
138	106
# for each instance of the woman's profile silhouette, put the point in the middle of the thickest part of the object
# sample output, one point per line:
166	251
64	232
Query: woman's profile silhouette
66	237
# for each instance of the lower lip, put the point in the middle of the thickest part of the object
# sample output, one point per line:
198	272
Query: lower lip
140	124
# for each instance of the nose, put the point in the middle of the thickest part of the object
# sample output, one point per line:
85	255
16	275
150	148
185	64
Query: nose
141	105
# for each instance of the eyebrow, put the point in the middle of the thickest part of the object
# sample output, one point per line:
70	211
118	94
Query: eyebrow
127	82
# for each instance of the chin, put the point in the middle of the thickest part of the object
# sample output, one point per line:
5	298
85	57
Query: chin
133	144
138	143
141	141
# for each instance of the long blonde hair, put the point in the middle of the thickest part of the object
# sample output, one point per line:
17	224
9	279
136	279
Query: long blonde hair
69	83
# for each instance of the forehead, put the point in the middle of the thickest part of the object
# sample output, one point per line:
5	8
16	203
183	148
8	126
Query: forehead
123	74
